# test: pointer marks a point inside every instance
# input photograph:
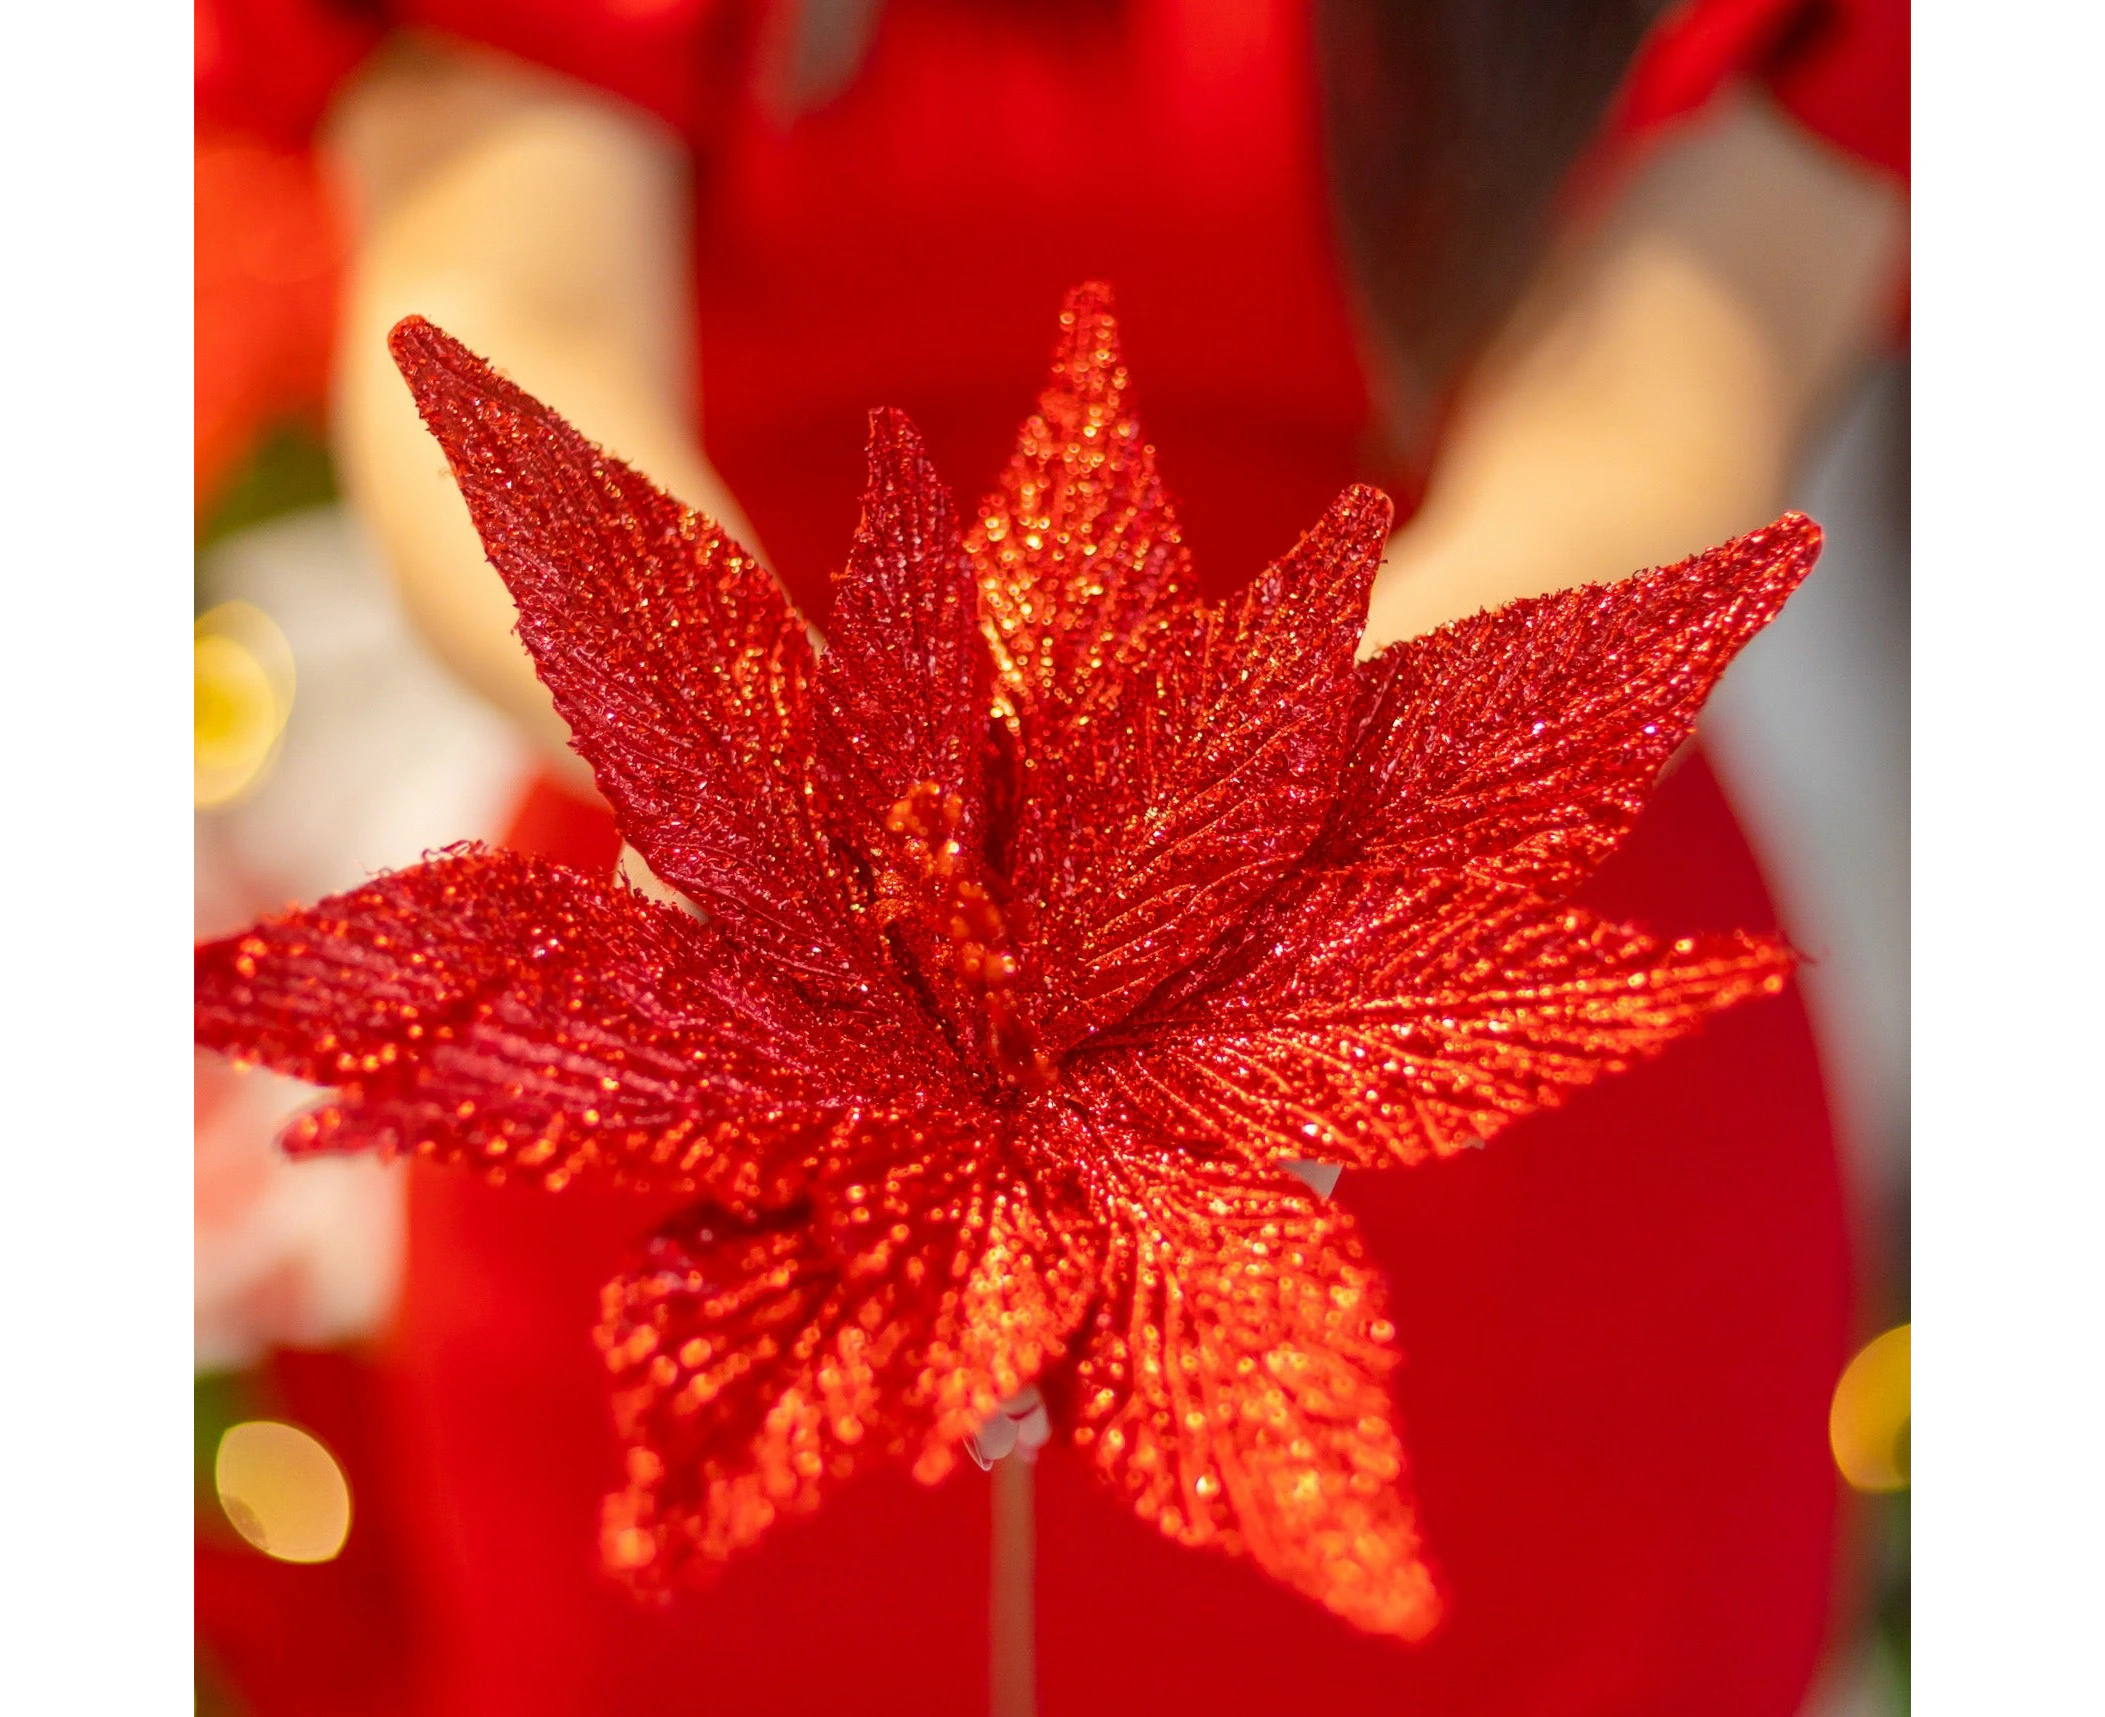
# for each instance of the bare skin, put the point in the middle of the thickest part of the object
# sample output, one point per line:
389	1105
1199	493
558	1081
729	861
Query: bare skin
533	218
1655	389
1650	396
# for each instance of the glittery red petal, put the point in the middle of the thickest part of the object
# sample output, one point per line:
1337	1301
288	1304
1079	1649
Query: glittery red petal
493	1008
1235	1386
1080	564
903	684
930	1272
684	675
1388	1019
959	1055
1216	777
901	713
1522	743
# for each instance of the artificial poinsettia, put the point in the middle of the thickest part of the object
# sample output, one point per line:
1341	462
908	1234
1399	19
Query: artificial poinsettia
1038	924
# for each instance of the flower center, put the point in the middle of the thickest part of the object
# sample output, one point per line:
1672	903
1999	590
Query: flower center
982	955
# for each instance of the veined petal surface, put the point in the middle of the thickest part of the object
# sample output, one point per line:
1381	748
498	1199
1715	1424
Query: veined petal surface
1520	744
1215	780
511	1014
1234	1388
1388	1019
682	670
928	1274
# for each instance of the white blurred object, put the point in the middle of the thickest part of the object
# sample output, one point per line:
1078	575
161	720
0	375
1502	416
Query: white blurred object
288	1255
1320	1178
1809	731
1020	1427
383	758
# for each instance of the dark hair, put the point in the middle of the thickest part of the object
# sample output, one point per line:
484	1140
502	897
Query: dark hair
1450	127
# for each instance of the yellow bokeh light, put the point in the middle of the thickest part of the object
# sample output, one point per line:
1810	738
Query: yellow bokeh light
1868	1421
244	697
283	1491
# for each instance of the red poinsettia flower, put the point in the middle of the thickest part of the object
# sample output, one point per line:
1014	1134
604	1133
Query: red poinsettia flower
1038	923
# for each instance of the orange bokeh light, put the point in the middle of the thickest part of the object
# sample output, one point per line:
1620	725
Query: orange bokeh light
1867	1423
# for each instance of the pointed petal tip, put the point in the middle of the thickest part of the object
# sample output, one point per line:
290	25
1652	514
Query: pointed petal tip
1792	537
1089	298
897	463
1742	965
416	340
429	358
1788	545
1808	540
891	429
1403	1602
1357	498
1777	960
1420	1611
411	327
1353	531
1089	355
1768	562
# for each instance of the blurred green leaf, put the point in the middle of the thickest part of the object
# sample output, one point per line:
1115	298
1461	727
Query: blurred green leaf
289	469
223	1399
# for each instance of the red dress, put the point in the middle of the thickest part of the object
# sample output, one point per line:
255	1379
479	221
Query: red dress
1620	1325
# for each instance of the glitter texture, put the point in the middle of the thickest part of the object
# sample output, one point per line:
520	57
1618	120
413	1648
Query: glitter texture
1039	923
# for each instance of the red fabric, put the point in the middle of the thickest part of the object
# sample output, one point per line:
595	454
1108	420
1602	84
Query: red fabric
571	825
905	246
268	264
1839	67
1620	1324
1843	73
677	59
269	67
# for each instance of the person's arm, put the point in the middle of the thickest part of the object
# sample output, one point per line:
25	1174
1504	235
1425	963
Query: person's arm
1652	393
546	227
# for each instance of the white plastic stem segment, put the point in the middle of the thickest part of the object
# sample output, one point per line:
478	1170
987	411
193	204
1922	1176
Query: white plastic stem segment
1012	1661
1019	1427
1322	1178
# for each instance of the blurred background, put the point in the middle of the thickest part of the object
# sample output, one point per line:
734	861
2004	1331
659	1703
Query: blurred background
1587	287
